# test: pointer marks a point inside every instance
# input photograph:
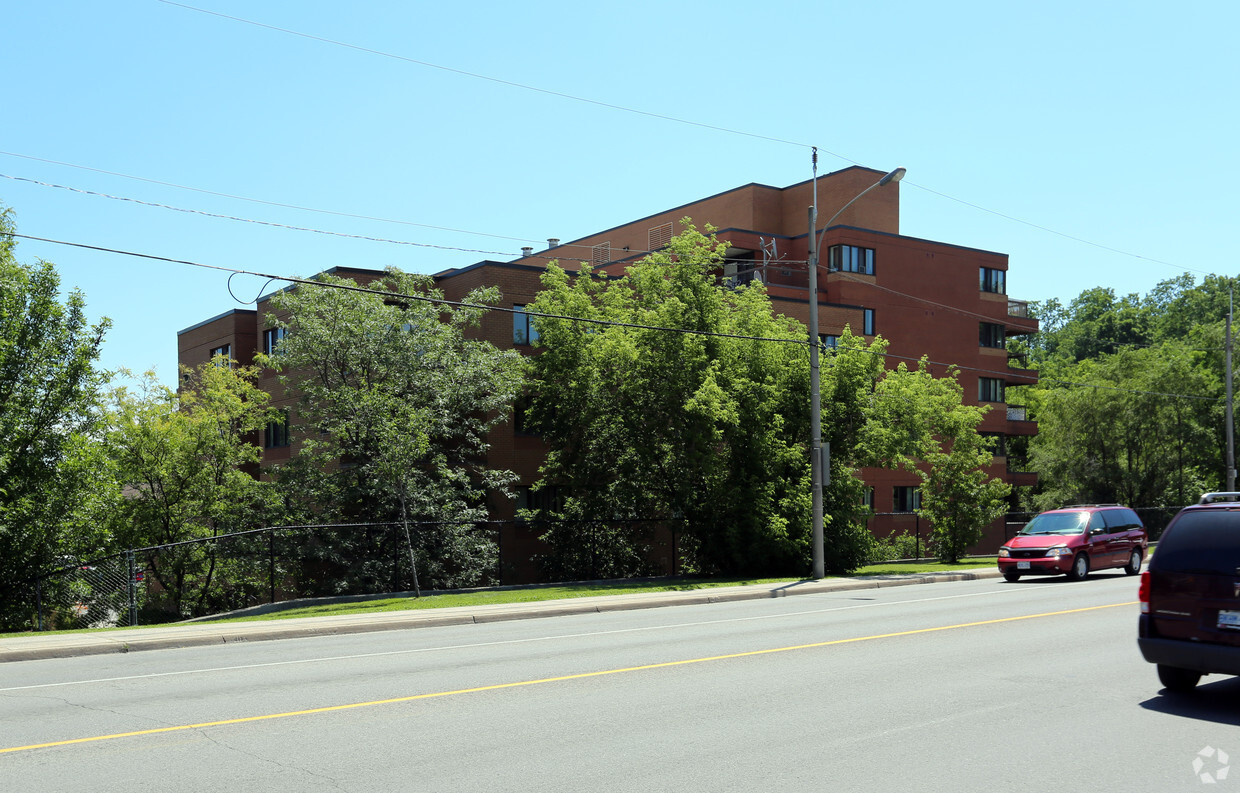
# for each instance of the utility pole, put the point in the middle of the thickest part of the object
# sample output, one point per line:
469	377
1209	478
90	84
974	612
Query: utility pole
817	460
1231	441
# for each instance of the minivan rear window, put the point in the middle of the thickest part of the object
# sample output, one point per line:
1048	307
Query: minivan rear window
1205	541
1121	519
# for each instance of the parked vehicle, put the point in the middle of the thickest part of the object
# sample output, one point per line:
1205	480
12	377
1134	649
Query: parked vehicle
1074	541
1190	595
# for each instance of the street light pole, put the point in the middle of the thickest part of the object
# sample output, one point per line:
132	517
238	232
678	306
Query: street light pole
815	391
1231	442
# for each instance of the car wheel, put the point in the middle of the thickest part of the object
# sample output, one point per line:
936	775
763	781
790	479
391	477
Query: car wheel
1008	575
1134	563
1177	679
1080	567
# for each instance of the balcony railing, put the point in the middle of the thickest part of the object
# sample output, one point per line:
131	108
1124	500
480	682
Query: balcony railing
1018	308
1017	413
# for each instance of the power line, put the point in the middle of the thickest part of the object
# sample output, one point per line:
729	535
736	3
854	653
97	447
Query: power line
510	83
588	320
1048	230
261	201
546	256
419	298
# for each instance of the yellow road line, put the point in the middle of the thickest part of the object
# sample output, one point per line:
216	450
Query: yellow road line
581	676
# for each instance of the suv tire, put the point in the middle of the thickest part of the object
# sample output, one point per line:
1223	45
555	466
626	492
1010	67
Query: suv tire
1080	568
1134	563
1011	577
1181	681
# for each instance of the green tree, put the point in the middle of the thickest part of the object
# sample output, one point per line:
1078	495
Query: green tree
48	398
186	464
401	400
1142	431
707	432
706	425
958	497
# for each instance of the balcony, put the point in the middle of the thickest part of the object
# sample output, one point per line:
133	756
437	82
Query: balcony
1022	478
1018	372
1019	321
1019	422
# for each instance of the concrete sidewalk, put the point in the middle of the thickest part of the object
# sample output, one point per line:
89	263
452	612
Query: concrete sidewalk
33	646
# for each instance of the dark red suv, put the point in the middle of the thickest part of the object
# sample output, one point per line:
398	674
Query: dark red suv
1074	541
1190	595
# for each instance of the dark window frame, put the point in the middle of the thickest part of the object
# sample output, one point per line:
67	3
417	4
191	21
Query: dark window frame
524	331
905	498
272	338
992	279
991	389
851	259
992	335
276	434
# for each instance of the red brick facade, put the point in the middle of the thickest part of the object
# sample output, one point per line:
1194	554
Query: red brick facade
925	298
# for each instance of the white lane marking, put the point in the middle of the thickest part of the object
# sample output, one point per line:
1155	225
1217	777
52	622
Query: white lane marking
679	625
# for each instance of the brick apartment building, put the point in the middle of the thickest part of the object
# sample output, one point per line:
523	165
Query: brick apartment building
944	301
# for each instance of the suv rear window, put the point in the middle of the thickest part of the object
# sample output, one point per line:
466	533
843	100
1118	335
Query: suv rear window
1202	541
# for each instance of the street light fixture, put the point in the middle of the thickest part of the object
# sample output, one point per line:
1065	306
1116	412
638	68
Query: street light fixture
815	394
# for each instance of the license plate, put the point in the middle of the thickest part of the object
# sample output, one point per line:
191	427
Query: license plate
1025	566
1229	619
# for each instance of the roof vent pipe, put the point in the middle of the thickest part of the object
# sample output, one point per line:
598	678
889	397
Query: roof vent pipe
527	251
553	242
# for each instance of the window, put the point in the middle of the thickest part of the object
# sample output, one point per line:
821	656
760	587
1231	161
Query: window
905	498
276	434
523	330
271	340
544	499
992	280
867	498
740	268
828	341
998	443
851	259
991	335
989	389
224	350
520	416
868	321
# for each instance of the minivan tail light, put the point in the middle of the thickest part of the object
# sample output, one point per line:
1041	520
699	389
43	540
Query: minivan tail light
1143	592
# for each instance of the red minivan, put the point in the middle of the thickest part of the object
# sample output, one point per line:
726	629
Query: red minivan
1075	540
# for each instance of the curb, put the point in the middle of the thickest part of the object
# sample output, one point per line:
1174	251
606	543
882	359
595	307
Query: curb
38	647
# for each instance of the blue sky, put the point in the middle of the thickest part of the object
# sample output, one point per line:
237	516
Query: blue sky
1092	142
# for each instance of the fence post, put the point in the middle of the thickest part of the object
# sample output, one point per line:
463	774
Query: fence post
38	594
133	588
271	565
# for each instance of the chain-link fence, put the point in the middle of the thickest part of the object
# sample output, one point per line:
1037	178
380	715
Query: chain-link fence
101	593
216	574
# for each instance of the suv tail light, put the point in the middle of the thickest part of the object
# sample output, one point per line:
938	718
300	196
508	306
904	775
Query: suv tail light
1143	592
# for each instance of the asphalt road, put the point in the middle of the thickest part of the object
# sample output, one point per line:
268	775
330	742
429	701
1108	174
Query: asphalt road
958	686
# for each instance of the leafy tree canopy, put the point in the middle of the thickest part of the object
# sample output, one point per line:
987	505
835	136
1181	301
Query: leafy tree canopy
395	401
48	397
186	463
693	408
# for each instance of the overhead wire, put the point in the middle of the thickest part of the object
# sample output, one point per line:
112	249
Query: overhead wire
500	81
589	320
419	298
663	117
544	256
